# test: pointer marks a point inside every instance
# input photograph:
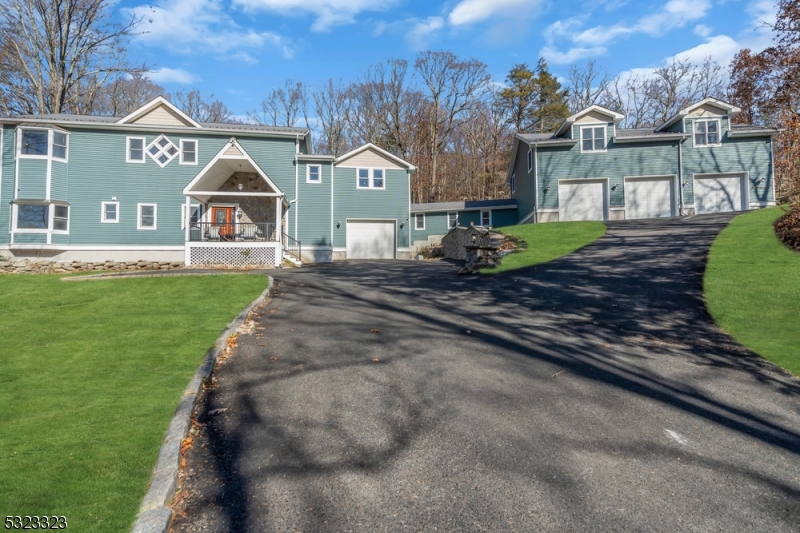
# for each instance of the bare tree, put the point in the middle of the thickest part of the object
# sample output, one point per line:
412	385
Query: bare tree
332	106
202	109
588	86
123	96
61	52
452	86
284	106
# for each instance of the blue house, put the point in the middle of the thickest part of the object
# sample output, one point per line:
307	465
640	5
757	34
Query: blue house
432	221
159	186
697	162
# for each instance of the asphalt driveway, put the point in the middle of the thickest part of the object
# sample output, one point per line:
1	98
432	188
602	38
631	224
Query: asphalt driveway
591	393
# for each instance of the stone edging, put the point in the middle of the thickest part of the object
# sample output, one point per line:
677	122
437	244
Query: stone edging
155	512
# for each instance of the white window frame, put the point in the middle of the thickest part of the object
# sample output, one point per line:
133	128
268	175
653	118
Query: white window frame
52	144
592	128
15	218
530	160
139	216
417	218
183	214
49	148
128	150
103	218
319	174
706	121
489	213
371	178
162	150
196	152
451	225
53	218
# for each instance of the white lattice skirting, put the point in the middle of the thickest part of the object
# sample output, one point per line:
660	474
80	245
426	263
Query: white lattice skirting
234	254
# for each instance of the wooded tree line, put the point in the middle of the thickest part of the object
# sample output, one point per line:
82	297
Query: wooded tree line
442	113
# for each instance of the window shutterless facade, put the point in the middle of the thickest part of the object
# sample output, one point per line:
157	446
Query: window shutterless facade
162	151
314	174
370	178
40	217
109	212
135	150
188	152
419	221
196	215
486	218
60	145
593	139
452	220
38	142
147	216
706	132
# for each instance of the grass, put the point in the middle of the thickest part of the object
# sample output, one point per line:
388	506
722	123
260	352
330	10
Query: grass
545	242
91	374
752	288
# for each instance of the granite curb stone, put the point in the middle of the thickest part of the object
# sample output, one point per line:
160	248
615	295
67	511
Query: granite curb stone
155	513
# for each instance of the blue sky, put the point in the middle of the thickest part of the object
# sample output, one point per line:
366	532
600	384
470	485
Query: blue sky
239	50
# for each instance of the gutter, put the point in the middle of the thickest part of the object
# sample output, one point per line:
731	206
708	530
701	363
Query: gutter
680	176
296	180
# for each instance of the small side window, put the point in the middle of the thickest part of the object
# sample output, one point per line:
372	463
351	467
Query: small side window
147	216
188	152
60	217
419	221
452	220
486	218
60	145
314	174
135	153
109	212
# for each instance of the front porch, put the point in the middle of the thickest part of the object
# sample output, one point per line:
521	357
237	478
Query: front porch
234	214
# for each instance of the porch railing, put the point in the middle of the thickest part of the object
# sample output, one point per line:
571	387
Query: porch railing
234	232
291	246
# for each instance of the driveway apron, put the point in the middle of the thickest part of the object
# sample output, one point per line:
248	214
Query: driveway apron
590	393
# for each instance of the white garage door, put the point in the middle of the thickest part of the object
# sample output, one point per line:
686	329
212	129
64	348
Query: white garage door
370	239
581	200
718	194
649	197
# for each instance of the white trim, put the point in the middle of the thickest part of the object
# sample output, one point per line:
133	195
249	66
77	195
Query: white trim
151	105
232	193
333	205
48	178
448	225
593	126
85	248
103	218
319	173
196	151
64	159
15	217
673	208
694	132
381	151
730	109
606	198
139	216
20	129
128	150
490	217
548	210
416	218
465	209
744	184
616	118
53	219
371	178
378	220
162	151
527	217
187	216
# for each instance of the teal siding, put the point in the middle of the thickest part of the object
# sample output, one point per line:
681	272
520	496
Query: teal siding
6	181
32	178
436	221
391	203
58	238
435	224
30	238
751	155
504	217
314	207
525	192
59	180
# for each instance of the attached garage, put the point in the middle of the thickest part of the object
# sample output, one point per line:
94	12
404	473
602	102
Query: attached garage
371	239
719	194
582	199
649	197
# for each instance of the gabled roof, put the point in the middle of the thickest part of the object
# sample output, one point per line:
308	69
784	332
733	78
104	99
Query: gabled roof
153	106
730	109
369	146
613	115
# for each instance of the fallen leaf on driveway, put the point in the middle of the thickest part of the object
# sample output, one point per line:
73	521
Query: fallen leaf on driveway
273	358
374	331
217	411
375	360
271	311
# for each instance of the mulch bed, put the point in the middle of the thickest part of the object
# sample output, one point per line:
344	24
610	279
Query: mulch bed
787	228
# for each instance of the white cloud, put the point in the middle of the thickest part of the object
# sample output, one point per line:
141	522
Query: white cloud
171	75
721	48
570	56
419	36
701	30
200	26
471	11
329	13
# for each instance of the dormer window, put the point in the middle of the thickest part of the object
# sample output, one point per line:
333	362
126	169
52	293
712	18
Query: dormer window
593	139
36	142
706	132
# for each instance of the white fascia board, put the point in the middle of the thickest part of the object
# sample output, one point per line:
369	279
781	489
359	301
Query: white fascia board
649	138
221	155
762	133
154	103
730	109
370	146
315	157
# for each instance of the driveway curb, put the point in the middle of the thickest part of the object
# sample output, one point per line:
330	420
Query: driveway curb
155	512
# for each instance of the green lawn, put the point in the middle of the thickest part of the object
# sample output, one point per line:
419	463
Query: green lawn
90	375
752	288
546	242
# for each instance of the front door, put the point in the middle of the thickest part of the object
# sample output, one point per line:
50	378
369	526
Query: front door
222	218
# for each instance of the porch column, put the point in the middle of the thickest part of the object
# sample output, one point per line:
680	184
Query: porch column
187	217
278	232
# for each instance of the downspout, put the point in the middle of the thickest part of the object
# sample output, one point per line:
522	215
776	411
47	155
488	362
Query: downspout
296	181
680	176
535	183
332	208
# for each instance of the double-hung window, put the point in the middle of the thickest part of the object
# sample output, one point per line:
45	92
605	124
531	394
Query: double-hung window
314	174
452	220
135	150
146	217
59	145
370	178
196	215
41	217
60	217
419	221
486	218
706	132
109	212
188	152
593	139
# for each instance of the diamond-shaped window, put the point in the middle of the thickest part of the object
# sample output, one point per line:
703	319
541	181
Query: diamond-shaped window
162	151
